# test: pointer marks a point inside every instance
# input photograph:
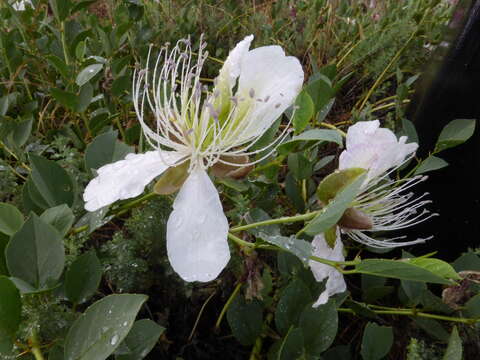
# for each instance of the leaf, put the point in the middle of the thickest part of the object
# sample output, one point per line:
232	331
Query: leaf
454	350
300	166
376	341
245	319
291	348
105	149
257	215
319	326
433	328
61	8
11	219
322	114
140	340
84	97
292	301
472	307
310	138
88	73
409	130
300	248
52	181
3	263
467	261
455	133
35	254
304	112
21	131
59	65
320	90
83	277
332	212
398	270
100	330
60	217
10	308
67	99
436	266
430	164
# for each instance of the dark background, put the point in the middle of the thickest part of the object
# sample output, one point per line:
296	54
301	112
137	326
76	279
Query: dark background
451	90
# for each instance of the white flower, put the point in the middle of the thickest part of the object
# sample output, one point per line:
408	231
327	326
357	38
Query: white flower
384	204
20	5
201	127
335	283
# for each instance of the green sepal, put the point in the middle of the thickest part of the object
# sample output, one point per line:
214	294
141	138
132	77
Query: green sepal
335	182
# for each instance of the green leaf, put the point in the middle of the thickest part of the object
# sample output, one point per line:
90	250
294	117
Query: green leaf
105	149
436	266
472	307
3	263
88	73
83	277
322	114
304	112
409	130
84	97
60	217
100	330
10	308
332	184
320	90
319	326
121	85
292	301
454	349
35	254
61	9
245	319
334	210
455	133
310	138
433	328
257	215
398	269
11	219
52	181
291	348
140	340
300	166
430	164
467	261
67	99
21	131
376	341
59	65
300	248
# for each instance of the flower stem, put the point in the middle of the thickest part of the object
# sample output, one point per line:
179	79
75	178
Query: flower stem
35	346
124	208
240	241
285	219
333	127
227	304
413	312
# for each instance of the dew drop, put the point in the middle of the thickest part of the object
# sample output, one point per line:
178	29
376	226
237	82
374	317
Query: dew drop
114	340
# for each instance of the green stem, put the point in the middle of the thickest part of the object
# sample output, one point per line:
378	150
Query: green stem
227	304
333	127
240	241
35	346
285	219
413	312
124	208
64	43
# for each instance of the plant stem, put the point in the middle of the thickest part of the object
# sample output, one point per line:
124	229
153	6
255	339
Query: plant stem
35	346
240	241
285	219
413	312
227	304
200	315
124	208
64	43
333	127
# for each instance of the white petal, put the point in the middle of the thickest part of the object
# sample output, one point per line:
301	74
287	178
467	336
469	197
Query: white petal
273	80
374	148
335	282
232	66
197	230
126	178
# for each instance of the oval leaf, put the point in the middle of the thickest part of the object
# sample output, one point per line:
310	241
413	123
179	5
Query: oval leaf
10	308
87	73
11	219
140	340
100	330
83	277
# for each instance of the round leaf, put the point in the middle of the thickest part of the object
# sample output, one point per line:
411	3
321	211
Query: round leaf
87	73
11	220
83	277
140	340
376	342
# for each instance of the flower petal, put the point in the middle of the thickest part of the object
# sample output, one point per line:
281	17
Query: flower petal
232	66
374	148
197	230
272	80
335	282
126	178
